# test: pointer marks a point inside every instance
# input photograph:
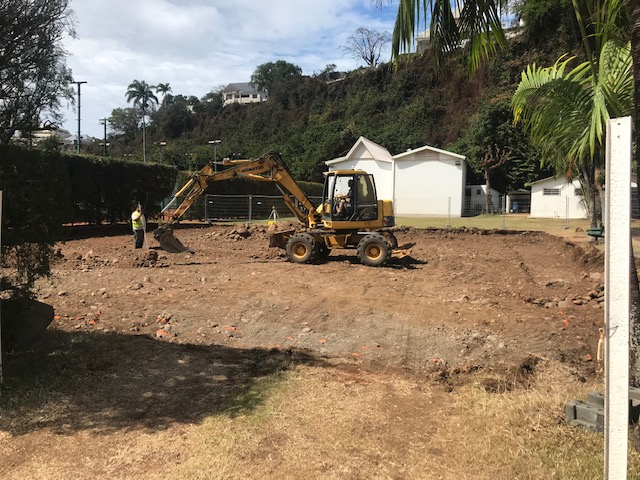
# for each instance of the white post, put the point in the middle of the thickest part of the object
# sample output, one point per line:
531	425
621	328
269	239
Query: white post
617	272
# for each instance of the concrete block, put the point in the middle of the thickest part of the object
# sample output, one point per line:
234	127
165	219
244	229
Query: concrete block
570	411
596	398
588	413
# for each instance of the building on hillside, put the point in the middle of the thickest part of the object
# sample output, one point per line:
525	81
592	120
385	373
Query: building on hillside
242	93
425	181
61	135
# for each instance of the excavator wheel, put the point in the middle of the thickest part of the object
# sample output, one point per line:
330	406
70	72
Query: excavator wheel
301	248
373	250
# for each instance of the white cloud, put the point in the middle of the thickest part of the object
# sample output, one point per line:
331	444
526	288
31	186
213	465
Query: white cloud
198	45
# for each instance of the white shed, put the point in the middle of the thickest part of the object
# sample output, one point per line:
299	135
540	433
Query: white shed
556	197
425	181
476	200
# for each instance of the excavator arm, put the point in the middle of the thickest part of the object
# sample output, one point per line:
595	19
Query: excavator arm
266	168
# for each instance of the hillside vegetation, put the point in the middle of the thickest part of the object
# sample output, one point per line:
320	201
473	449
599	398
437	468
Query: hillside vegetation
406	106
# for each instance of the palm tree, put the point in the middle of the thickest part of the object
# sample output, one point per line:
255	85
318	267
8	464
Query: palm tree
474	24
566	112
142	95
163	88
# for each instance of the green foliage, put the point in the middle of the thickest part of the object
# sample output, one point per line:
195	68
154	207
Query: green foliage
494	126
125	121
269	74
33	73
36	201
106	190
544	18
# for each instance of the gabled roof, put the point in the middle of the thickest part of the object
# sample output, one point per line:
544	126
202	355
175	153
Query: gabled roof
548	179
376	151
402	155
243	87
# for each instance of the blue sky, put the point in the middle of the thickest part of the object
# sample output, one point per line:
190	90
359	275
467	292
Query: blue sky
200	45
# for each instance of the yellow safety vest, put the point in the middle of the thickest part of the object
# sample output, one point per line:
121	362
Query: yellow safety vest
136	220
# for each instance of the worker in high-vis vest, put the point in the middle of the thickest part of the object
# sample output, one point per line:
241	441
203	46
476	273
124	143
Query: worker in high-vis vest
137	222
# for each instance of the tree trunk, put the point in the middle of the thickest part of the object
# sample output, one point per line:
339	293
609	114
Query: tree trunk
487	182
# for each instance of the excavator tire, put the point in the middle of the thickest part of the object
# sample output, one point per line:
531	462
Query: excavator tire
373	250
301	248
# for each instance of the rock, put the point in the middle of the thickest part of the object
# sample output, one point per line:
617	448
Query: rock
151	255
136	286
306	330
63	293
24	323
595	276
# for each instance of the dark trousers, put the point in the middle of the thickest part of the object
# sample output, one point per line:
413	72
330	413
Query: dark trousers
138	238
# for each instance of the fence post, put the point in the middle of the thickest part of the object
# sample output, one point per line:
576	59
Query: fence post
449	212
617	294
503	207
250	206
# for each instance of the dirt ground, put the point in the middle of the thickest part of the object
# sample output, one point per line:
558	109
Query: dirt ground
463	300
167	339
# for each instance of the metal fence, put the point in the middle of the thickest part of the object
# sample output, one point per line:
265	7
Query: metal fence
246	207
249	208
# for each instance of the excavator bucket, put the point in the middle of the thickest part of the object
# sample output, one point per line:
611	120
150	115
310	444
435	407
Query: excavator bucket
169	242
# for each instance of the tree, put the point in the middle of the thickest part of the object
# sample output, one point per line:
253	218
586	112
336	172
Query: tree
494	158
33	73
163	89
367	44
268	74
142	95
125	121
472	23
566	112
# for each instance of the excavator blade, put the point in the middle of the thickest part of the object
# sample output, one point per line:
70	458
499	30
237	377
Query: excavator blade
170	243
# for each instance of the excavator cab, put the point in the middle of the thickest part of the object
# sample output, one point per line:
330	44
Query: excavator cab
349	196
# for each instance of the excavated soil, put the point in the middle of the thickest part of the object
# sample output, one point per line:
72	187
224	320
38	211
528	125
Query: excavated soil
464	301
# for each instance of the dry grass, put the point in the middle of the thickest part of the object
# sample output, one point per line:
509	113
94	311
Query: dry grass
315	421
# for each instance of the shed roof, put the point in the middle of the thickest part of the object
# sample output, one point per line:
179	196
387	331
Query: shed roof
404	155
376	151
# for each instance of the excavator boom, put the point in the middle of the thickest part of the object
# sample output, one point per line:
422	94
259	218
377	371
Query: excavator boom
267	168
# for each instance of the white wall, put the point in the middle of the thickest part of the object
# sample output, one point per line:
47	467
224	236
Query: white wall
425	182
555	206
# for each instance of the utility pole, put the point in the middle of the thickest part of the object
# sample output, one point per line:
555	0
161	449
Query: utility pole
103	121
215	144
79	138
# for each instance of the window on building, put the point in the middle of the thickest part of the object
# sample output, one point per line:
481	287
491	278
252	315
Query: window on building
577	192
551	191
479	191
467	192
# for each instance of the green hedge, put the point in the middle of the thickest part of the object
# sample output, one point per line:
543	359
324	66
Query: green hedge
106	190
44	189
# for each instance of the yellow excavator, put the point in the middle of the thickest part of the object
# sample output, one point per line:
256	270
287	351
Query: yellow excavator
350	215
